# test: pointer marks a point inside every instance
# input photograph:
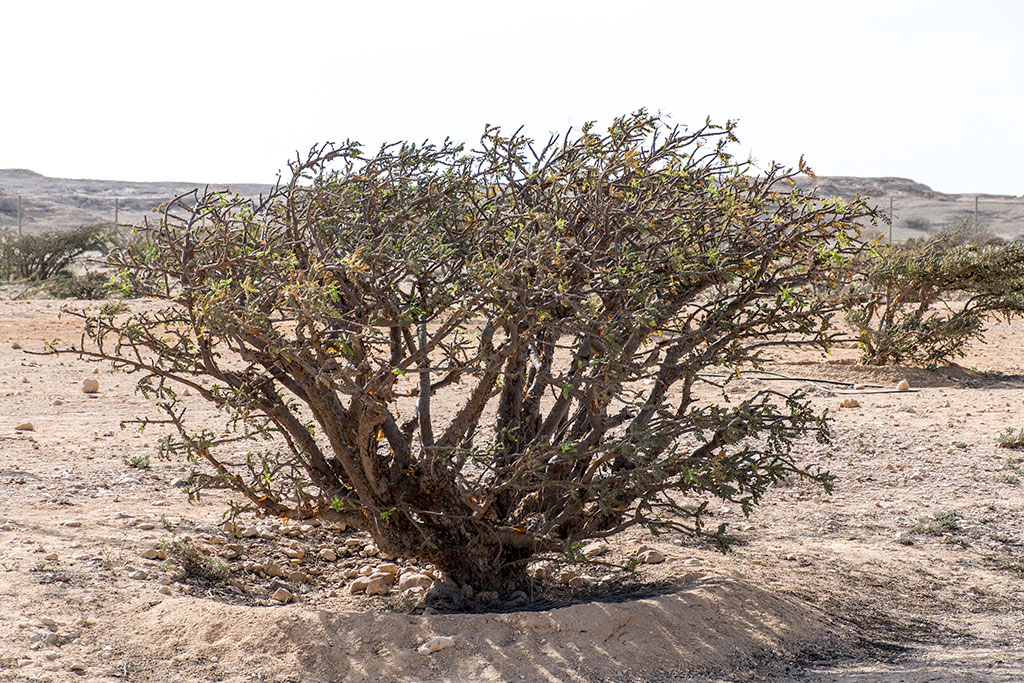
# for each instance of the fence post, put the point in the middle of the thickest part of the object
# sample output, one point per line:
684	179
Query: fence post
891	219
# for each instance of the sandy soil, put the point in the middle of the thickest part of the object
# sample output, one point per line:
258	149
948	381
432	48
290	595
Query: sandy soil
912	571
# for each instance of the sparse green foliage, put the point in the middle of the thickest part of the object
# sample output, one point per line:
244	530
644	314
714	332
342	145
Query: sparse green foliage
195	562
924	301
40	257
479	357
1011	438
137	461
944	522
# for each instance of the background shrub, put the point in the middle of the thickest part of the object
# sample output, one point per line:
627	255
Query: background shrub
924	301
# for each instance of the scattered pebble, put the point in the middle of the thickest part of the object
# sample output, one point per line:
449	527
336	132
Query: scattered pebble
328	555
595	549
25	427
435	644
651	556
903	385
90	386
849	403
282	595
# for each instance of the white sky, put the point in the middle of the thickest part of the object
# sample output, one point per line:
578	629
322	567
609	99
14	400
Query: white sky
221	91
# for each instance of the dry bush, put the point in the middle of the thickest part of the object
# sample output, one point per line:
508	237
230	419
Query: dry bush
924	301
484	356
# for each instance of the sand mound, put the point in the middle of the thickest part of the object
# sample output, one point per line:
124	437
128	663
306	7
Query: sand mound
716	624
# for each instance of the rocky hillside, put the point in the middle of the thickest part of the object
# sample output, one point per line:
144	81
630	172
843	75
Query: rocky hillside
918	209
60	203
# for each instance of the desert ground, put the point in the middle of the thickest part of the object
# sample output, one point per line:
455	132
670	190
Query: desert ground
910	571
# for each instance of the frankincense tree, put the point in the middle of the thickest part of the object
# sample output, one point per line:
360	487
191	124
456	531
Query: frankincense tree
480	357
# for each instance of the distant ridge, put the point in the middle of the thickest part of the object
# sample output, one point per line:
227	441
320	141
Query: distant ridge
62	203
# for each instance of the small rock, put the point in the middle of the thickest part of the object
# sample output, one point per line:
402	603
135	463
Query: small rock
294	553
691	562
298	577
138	575
435	644
859	387
379	583
388	568
76	667
282	595
166	590
903	385
594	549
414	580
90	386
52	557
273	569
328	555
850	403
651	556
150	553
95	371
359	585
49	623
25	427
15	346
147	526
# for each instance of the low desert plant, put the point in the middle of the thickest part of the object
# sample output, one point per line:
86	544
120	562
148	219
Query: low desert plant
944	522
482	357
923	302
67	285
195	562
137	461
1011	438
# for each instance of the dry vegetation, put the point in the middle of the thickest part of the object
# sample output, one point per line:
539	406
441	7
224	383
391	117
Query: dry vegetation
449	416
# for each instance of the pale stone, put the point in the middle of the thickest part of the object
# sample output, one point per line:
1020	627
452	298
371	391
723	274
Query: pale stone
328	555
359	585
388	568
435	644
90	386
849	403
651	556
282	595
414	580
298	577
904	385
25	427
379	583
272	569
594	549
